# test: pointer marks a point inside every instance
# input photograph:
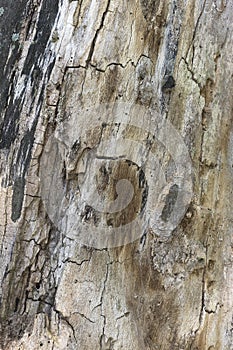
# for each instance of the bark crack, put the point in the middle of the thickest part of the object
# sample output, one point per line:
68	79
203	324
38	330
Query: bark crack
192	73
201	317
5	221
203	295
75	262
126	314
222	6
66	320
92	48
83	316
103	70
218	305
77	16
102	337
112	64
195	31
59	314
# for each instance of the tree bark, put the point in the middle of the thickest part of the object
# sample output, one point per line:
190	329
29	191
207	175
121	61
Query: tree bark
85	87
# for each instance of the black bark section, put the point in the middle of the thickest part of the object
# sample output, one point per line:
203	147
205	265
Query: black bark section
10	23
9	125
48	15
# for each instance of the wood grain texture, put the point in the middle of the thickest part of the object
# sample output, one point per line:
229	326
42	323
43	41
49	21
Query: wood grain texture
58	58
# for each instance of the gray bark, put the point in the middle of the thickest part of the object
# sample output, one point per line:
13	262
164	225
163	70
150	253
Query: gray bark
63	285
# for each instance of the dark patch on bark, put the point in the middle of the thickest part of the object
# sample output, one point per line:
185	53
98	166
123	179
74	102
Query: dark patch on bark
170	202
149	8
143	184
90	214
130	171
16	304
17	198
169	83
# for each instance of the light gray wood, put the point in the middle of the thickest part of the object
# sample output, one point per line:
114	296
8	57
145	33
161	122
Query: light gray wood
61	63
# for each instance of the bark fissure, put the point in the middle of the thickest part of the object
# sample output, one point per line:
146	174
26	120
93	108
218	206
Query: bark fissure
102	336
195	31
92	46
192	74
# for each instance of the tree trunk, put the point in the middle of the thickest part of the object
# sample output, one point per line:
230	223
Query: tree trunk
116	174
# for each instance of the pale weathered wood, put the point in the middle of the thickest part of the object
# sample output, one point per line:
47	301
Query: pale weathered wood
161	291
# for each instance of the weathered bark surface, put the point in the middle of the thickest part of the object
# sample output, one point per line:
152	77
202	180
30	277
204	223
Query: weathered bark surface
58	57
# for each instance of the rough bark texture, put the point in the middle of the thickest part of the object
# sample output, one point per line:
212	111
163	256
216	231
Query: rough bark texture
175	56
